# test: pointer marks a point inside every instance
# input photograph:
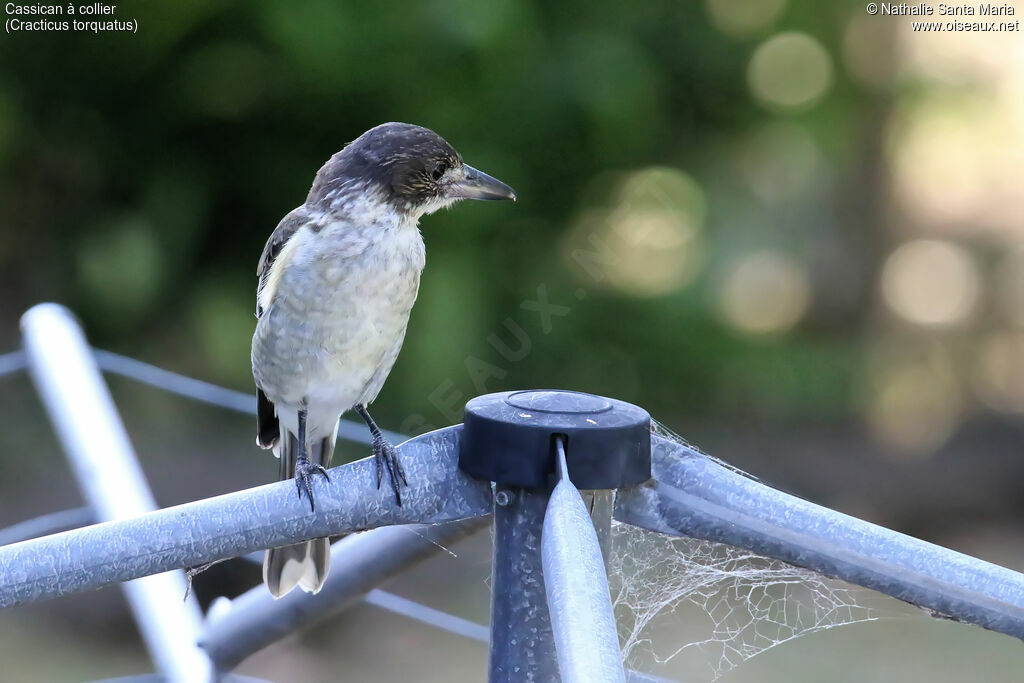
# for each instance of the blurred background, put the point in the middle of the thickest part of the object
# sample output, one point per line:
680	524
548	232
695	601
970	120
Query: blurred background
792	231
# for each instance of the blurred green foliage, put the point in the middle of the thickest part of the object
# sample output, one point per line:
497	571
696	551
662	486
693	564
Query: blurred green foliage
141	174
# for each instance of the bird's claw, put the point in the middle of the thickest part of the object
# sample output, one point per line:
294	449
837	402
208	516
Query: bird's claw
387	457
304	471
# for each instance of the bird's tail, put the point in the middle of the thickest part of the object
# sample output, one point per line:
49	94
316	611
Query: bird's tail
304	564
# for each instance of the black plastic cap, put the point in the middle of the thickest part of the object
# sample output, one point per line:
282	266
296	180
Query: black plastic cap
508	438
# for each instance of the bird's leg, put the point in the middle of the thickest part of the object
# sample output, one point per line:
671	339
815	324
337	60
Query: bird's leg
304	470
386	455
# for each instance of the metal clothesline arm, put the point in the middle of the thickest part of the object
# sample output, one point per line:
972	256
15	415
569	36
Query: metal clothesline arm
75	518
205	392
429	616
359	563
50	523
692	495
242	522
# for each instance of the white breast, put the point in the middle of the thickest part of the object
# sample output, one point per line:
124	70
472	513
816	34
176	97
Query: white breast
338	313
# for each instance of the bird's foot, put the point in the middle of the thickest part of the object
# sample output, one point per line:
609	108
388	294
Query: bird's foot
387	458
304	471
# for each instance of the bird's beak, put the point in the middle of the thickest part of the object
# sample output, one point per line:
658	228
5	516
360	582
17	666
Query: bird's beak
478	185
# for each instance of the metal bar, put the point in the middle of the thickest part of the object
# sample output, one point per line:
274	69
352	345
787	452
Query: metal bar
692	495
244	521
522	645
97	445
412	610
428	615
360	562
174	383
438	619
78	517
12	362
47	524
578	598
205	392
602	505
462	627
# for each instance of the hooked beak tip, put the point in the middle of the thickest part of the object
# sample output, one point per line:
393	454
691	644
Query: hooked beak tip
479	185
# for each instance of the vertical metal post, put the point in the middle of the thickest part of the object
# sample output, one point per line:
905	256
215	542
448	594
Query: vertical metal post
96	443
602	505
510	439
522	645
578	599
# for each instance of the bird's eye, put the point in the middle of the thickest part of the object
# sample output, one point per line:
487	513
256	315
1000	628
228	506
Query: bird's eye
439	170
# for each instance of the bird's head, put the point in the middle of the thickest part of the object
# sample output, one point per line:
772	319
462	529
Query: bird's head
412	168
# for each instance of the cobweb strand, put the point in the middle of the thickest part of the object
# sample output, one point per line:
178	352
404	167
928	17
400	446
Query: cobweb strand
706	607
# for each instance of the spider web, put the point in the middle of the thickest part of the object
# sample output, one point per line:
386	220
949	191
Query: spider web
704	608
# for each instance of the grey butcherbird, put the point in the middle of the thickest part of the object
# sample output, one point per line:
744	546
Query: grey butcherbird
337	281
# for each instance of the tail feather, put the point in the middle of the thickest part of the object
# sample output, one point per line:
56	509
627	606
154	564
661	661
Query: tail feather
268	430
303	564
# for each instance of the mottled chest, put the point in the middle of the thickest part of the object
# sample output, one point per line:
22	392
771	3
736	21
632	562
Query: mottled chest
369	260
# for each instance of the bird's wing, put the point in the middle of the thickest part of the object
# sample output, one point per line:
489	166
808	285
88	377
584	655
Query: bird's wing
285	230
268	429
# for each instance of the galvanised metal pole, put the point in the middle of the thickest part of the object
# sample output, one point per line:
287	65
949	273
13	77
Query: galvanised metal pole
602	507
694	496
47	524
403	607
360	562
509	439
579	601
428	616
198	390
522	644
242	522
96	443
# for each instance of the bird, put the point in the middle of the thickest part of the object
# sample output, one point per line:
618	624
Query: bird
337	281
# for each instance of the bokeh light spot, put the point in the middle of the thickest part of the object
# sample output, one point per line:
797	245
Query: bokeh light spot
956	161
764	292
222	322
120	265
742	18
915	406
930	282
653	230
790	71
